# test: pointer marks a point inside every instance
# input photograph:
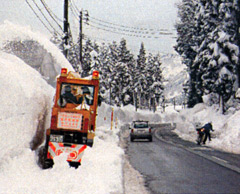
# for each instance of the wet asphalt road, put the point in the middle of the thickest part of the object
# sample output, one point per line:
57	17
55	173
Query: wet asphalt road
172	165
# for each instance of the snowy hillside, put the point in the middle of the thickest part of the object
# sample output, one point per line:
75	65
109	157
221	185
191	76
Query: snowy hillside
174	72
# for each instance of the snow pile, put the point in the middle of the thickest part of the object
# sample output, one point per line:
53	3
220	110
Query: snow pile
10	32
227	127
25	98
45	57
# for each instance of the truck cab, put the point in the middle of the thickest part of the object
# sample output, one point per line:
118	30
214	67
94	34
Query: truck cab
73	119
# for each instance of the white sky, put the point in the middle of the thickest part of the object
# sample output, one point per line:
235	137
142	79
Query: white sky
150	14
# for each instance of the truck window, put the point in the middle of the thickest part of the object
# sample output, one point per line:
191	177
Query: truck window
77	94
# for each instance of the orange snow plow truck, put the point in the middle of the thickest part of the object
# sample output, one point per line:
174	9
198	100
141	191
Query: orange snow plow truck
73	119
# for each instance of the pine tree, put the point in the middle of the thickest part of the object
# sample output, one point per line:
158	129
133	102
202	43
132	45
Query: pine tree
187	43
154	80
216	35
140	73
236	5
73	55
105	71
124	54
126	57
86	58
220	50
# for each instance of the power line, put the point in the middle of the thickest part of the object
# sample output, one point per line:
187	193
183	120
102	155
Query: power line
128	27
38	17
130	34
125	27
126	32
74	8
45	17
50	13
74	11
131	31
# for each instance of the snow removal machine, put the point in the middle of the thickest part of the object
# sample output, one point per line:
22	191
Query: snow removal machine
73	118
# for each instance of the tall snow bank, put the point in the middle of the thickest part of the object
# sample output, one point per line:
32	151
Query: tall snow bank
25	98
48	55
10	31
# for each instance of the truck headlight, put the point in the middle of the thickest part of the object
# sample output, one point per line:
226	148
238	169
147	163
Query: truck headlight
56	138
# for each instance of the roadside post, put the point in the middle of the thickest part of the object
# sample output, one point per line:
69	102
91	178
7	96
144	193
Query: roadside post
112	119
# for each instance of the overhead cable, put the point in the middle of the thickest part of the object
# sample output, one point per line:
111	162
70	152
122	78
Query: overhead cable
131	34
50	13
46	18
38	17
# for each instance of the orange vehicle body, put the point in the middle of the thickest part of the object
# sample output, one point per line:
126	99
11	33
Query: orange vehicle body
73	119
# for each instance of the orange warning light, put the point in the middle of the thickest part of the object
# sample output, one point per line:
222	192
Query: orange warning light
64	72
95	75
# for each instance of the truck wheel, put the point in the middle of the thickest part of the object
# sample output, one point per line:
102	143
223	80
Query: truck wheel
43	162
90	143
74	164
48	163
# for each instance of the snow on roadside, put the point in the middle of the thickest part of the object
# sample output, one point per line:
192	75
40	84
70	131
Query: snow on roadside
227	127
24	95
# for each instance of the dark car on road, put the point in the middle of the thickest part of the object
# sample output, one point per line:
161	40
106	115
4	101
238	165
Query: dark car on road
140	130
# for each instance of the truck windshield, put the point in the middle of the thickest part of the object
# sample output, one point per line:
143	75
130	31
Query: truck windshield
77	94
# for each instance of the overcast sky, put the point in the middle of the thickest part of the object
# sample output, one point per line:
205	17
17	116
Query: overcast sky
135	20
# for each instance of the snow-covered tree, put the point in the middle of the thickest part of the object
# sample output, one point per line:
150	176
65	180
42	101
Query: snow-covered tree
153	74
87	58
140	81
215	31
219	49
187	44
124	54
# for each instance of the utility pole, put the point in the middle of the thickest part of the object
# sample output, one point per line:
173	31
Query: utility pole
80	36
65	28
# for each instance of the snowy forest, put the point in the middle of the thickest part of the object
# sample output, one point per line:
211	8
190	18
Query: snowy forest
208	41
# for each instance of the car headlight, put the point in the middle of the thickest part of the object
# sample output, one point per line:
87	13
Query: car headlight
56	138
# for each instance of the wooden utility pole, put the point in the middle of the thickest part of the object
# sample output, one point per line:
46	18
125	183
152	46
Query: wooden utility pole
65	28
80	36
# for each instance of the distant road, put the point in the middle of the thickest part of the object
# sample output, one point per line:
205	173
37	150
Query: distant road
172	165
